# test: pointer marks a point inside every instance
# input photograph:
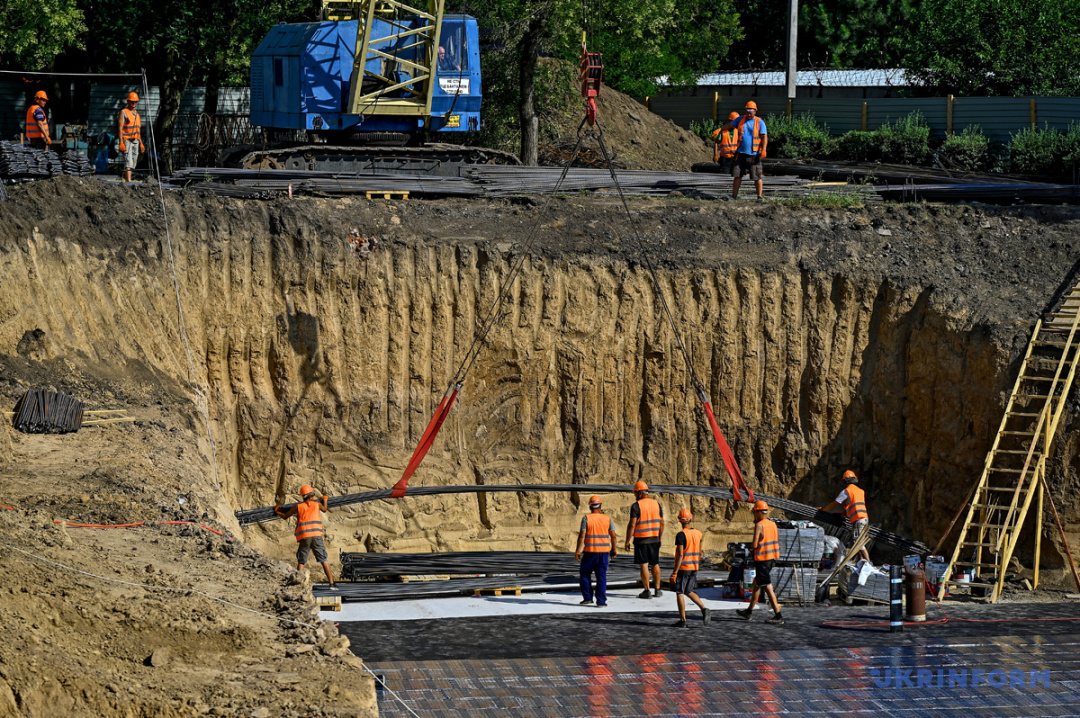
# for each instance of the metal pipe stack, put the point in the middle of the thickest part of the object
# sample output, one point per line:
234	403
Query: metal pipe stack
48	412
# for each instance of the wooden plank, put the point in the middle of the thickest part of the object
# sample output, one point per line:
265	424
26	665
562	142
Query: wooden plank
511	590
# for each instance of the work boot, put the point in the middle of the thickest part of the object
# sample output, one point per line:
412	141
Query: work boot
333	587
657	593
776	620
706	616
585	603
679	624
645	594
760	199
744	613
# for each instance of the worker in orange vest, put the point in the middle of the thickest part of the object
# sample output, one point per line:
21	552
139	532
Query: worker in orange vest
129	129
687	562
309	529
595	545
766	551
853	499
37	125
646	527
726	144
753	139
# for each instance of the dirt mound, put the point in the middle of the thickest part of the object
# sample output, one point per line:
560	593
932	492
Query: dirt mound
640	139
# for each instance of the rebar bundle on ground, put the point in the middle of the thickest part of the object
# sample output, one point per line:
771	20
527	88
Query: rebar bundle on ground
792	508
48	412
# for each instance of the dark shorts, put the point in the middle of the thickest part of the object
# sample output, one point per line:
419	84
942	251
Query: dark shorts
747	164
304	546
763	575
726	163
685	582
647	553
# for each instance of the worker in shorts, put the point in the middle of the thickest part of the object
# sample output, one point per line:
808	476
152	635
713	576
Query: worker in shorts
309	529
687	562
766	551
853	499
595	545
753	138
129	129
647	529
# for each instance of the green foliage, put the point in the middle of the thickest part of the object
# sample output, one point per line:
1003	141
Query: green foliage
705	128
33	32
799	137
969	150
1044	151
859	146
1003	47
906	140
843	197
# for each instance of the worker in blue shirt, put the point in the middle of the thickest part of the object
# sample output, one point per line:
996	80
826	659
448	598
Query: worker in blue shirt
753	139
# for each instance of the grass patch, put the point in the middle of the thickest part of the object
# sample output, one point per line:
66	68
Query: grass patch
842	198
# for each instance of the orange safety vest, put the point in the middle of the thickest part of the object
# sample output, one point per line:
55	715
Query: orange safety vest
597	530
132	126
729	143
757	136
648	525
768	548
691	557
33	132
308	520
855	506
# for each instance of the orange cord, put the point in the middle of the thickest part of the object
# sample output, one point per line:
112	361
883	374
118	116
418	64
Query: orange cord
141	523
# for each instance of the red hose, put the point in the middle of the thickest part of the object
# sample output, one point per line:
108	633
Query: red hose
141	523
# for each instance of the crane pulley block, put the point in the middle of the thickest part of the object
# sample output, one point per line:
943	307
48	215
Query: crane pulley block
592	75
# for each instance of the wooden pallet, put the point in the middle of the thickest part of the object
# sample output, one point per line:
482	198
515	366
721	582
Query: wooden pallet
509	590
328	603
373	194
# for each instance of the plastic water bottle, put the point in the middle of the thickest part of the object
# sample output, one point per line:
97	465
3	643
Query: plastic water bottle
748	577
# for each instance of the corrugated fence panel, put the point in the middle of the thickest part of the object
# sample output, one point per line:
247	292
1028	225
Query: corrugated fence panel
682	110
107	100
13	103
934	110
998	117
840	116
1058	112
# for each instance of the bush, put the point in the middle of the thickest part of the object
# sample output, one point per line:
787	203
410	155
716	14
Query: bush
859	146
1038	152
705	128
799	137
905	141
1071	151
969	150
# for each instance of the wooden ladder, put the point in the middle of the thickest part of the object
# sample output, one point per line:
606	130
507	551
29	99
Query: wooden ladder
1015	467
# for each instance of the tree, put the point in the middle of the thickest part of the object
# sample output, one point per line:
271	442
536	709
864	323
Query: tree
33	32
997	47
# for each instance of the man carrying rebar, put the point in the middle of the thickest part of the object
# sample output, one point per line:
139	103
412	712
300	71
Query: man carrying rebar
37	125
309	529
687	562
595	545
647	529
129	129
853	499
766	550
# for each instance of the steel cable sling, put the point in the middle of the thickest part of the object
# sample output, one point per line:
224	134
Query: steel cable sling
447	402
792	508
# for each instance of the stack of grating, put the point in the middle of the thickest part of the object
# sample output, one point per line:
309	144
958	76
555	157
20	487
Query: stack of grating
802	544
22	162
76	164
876	587
48	412
786	588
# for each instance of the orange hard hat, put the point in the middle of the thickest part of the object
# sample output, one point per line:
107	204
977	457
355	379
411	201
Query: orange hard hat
733	116
595	501
849	475
306	489
751	105
40	95
685	516
761	506
133	97
640	486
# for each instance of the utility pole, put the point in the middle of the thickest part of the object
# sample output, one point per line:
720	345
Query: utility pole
792	42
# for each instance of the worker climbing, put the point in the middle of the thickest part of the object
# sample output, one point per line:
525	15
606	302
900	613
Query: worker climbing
309	529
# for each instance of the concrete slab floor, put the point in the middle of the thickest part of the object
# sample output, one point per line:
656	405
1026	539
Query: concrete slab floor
638	664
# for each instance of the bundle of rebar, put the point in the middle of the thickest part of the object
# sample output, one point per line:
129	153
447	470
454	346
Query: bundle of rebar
41	411
224	181
791	508
356	566
996	193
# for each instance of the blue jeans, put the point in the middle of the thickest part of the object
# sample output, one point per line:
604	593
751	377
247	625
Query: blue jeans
594	563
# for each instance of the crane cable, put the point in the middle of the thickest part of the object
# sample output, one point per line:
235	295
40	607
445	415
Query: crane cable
732	466
479	337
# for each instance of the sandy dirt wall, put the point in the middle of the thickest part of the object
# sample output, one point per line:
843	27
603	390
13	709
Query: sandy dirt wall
879	339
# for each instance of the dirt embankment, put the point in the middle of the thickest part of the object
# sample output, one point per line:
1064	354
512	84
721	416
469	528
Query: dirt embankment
880	339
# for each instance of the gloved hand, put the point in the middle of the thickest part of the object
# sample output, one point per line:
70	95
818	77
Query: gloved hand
716	132
324	498
674	576
763	154
577	555
142	147
277	509
123	147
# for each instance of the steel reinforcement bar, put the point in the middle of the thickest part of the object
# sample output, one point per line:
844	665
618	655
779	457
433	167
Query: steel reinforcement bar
789	507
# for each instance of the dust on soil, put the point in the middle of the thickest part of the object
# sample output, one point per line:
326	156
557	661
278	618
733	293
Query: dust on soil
81	646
